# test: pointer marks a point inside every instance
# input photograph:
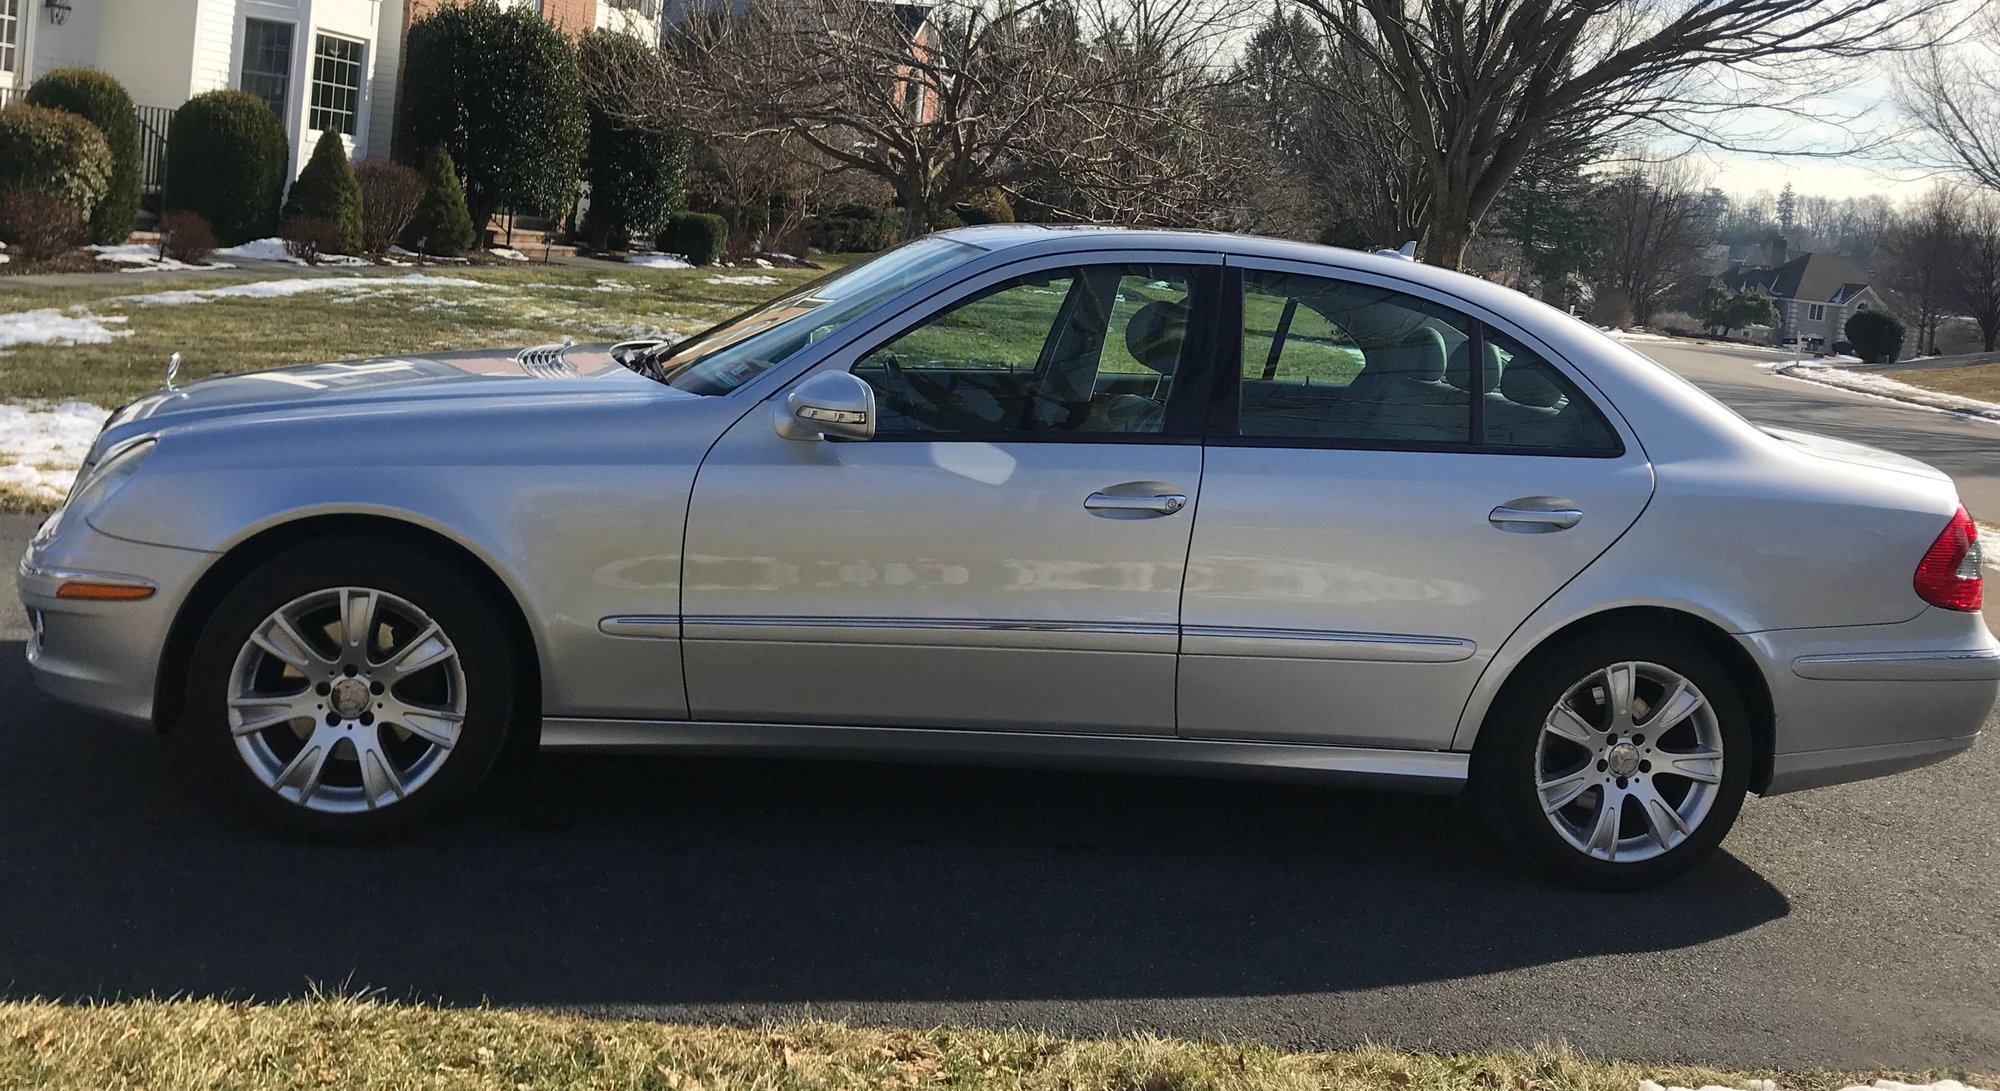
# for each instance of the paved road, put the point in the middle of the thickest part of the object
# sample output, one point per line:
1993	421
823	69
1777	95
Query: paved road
1850	926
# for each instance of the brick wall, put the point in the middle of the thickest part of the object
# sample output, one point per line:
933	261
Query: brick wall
573	16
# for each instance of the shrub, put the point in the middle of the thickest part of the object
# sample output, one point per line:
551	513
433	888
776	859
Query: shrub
696	236
56	152
185	236
307	237
500	89
637	178
945	220
441	225
227	159
38	225
102	101
988	205
1877	336
326	190
390	195
748	218
856	229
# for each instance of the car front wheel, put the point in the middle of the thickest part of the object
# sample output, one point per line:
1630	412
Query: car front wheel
352	689
1617	761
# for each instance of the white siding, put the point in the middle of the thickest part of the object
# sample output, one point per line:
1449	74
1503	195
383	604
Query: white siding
388	66
73	43
149	45
217	60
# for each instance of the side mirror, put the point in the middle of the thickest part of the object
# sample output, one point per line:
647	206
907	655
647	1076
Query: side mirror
831	403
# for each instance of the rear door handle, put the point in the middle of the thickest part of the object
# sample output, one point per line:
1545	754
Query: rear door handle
1112	506
1534	520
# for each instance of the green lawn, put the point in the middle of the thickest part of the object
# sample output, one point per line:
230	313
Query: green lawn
372	312
361	1044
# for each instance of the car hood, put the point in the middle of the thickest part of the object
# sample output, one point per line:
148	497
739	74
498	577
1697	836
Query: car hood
545	372
1855	454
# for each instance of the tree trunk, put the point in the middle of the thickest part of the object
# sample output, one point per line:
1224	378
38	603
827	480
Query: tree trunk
1446	239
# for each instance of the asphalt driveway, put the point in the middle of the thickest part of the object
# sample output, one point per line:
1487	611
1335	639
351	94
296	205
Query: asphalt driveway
1849	926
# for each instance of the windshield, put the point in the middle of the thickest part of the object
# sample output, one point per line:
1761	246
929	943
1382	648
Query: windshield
724	357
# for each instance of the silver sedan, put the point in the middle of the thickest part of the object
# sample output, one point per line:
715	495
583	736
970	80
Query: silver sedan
1142	500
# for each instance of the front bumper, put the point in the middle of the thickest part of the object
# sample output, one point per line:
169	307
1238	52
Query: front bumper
1870	700
102	655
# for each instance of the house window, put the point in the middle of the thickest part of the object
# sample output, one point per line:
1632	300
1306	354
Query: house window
10	33
267	62
336	83
1816	313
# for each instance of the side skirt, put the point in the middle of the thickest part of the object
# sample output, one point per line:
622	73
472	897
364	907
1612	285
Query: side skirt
1431	771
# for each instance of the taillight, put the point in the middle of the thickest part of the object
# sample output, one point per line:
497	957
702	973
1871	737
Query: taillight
1948	576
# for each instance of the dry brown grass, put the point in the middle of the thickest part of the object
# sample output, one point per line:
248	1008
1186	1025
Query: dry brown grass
359	1043
1980	381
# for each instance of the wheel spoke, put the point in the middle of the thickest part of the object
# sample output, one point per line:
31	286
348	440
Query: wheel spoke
1564	722
379	782
1662	820
254	714
1619	684
278	637
425	650
357	618
1698	765
1679	703
300	777
437	726
1604	833
1563	790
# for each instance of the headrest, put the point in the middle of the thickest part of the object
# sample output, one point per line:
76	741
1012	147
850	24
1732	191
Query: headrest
1459	371
1530	386
1154	335
1417	354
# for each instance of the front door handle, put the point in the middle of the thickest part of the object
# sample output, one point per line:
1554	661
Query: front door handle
1534	520
1114	506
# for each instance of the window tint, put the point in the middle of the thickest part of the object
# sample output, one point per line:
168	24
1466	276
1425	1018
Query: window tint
1086	351
1327	360
1536	406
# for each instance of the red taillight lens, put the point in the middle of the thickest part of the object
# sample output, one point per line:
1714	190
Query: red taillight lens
1948	576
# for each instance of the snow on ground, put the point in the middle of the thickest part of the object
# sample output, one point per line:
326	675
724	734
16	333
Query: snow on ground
508	252
40	449
260	250
743	280
277	289
659	261
145	258
1772	1085
1879	385
1636	335
52	327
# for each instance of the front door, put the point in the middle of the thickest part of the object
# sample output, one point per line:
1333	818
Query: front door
1007	553
1376	517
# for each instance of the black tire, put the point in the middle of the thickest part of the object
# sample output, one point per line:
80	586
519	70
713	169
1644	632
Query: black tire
1505	759
475	626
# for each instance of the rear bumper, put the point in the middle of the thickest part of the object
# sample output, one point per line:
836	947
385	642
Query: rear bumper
1867	701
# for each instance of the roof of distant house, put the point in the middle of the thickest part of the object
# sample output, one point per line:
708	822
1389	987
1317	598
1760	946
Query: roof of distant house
1819	278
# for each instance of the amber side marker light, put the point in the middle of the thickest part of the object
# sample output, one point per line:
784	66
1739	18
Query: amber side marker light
103	592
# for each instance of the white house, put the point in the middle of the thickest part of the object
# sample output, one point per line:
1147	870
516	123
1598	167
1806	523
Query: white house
319	63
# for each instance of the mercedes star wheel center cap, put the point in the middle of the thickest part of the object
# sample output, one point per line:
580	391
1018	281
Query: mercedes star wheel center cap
350	698
1623	759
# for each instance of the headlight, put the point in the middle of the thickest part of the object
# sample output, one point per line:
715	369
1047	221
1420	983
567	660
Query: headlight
99	479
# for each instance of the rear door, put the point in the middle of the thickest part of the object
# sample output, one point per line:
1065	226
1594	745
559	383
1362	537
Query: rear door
1377	514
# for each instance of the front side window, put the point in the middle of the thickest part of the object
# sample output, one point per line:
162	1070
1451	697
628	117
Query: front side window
10	34
267	62
1086	351
336	83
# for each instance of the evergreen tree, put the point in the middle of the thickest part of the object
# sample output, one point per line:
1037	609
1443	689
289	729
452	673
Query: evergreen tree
442	226
327	190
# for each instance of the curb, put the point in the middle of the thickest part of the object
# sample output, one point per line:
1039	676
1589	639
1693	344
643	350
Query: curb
1877	385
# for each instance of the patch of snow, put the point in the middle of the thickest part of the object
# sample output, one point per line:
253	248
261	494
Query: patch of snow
261	250
145	258
743	280
761	263
1878	385
659	261
4	259
1636	335
508	253
40	449
135	252
52	327
783	257
278	289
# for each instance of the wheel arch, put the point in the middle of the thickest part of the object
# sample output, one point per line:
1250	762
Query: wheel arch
1729	653
170	686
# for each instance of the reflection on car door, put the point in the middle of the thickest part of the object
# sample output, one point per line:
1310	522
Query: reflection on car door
1006	554
1376	518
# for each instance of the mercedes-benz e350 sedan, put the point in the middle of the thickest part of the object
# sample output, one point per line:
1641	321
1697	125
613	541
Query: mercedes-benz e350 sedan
1156	501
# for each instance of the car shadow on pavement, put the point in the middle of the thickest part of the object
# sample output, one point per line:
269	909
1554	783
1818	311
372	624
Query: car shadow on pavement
637	882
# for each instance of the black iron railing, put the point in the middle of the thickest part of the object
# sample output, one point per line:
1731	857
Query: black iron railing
153	124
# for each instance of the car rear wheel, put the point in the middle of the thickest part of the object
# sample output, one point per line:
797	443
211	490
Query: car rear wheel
1617	760
352	689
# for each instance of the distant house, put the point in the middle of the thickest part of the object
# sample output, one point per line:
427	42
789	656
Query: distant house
1815	293
639	18
321	64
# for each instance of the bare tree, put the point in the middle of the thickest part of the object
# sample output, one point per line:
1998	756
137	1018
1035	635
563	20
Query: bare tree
1480	82
937	101
1921	265
1951	90
1977	282
1656	229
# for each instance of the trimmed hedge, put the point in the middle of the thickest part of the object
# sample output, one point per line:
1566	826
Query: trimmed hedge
1877	336
56	152
747	218
327	190
696	236
860	229
441	226
102	101
227	159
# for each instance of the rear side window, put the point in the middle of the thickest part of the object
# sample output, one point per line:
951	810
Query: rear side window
1536	407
